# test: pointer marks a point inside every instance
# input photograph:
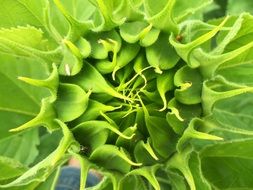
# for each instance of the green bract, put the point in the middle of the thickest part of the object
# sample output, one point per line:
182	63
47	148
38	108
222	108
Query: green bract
151	94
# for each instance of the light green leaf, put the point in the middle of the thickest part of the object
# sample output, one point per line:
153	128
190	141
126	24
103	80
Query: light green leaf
93	111
98	50
183	9
194	130
27	41
186	51
162	138
32	13
50	182
107	66
196	170
127	53
80	10
160	15
10	168
71	97
227	48
45	118
27	98
91	79
232	117
84	166
72	62
148	173
105	19
94	132
129	9
77	18
150	38
48	143
180	115
51	82
164	84
104	184
234	7
225	167
27	36
115	178
133	181
22	147
190	83
43	169
90	128
180	161
84	47
176	181
226	149
161	55
217	89
144	153
237	73
112	158
134	31
130	132
235	47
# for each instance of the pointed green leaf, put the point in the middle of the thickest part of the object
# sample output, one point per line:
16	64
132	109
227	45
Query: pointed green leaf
185	51
45	117
106	20
76	16
95	134
144	153
161	55
160	15
218	89
190	83
149	174
180	161
51	83
20	102
98	50
134	31
71	97
164	84
111	158
192	132
150	38
91	79
162	138
125	56
93	111
180	115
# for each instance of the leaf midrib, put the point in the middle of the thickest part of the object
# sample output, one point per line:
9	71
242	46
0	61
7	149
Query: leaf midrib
35	16
18	111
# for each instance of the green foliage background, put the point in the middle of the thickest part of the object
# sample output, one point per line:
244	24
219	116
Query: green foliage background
152	94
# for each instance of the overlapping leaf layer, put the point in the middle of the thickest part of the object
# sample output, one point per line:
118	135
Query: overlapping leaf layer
145	92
